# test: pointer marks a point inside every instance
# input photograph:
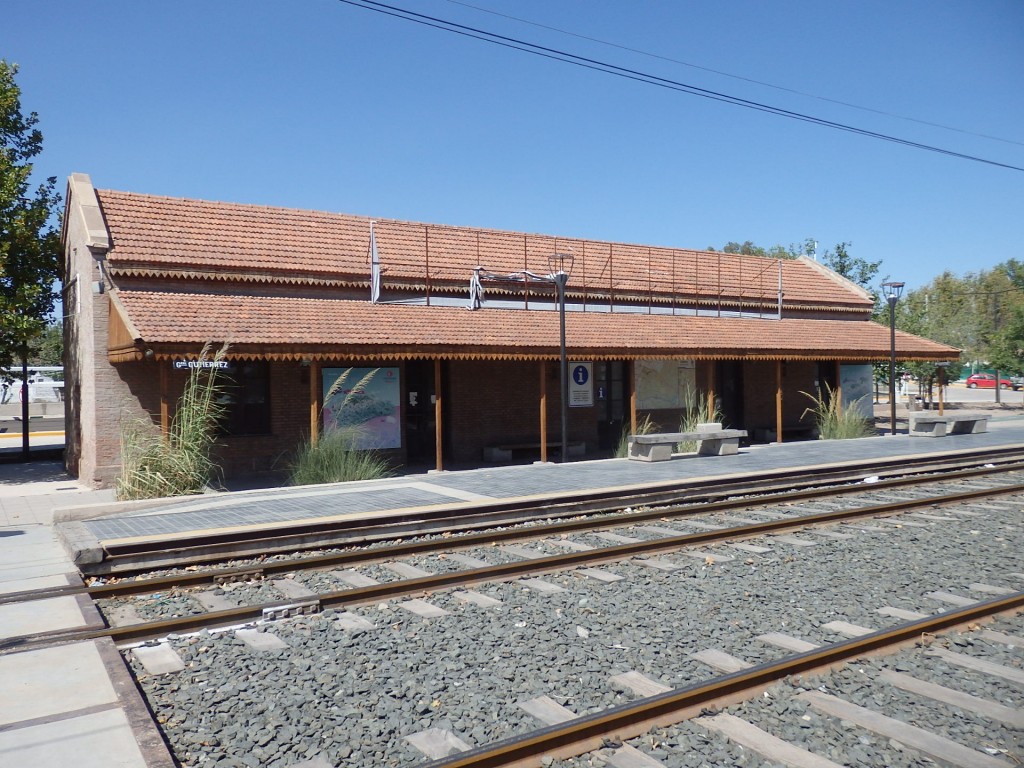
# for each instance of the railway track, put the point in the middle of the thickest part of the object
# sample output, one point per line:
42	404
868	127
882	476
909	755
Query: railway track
555	644
568	735
637	537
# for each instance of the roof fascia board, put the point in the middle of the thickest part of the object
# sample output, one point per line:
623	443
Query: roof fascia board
81	197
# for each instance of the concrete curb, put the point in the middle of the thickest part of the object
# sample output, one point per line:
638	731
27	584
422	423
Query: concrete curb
79	542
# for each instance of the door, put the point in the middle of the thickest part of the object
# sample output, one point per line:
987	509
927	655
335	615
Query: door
420	422
729	380
610	402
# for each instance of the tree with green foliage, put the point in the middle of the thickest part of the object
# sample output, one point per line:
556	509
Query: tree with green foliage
933	312
981	313
48	347
859	271
1005	296
748	248
1006	351
29	240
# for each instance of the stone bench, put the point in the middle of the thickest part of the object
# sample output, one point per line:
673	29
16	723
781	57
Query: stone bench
712	441
923	424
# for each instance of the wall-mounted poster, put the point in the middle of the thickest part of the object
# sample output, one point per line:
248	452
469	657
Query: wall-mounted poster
857	381
664	384
367	399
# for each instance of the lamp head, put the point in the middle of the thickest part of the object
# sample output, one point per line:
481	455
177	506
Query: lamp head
560	262
893	291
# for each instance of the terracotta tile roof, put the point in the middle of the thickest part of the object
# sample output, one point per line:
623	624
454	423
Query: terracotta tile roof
296	326
250	242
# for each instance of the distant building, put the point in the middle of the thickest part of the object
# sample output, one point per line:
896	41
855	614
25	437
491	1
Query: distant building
303	296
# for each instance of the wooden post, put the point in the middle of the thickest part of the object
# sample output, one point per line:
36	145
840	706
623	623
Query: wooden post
839	382
543	411
712	366
778	400
437	415
631	381
165	406
314	401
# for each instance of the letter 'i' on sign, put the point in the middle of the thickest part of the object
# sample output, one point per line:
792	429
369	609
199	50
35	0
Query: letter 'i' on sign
581	386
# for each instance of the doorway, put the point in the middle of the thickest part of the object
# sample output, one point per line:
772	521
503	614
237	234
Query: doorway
729	377
420	418
610	401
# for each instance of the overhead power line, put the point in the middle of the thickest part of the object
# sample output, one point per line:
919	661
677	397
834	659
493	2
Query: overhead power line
631	74
754	81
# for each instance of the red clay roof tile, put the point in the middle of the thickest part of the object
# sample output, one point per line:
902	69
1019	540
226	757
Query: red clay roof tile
173	233
305	324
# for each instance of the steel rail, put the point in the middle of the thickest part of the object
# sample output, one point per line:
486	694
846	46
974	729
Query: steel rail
470	540
311	534
502	572
587	732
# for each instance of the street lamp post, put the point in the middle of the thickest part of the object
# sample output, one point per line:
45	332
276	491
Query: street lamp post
560	265
560	278
893	291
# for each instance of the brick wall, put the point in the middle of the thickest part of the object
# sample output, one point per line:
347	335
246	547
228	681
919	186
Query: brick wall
759	392
498	402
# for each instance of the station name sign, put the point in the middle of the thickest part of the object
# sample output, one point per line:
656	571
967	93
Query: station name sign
220	364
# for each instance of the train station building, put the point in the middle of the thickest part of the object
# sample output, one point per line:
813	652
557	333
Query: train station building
459	326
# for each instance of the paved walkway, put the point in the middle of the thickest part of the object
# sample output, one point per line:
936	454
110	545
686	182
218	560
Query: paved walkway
75	705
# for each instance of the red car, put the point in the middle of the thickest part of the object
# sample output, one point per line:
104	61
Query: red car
987	381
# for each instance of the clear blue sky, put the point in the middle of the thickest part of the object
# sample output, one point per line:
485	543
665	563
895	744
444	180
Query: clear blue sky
317	104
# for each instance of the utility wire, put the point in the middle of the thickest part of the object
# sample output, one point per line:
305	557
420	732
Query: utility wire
783	88
630	74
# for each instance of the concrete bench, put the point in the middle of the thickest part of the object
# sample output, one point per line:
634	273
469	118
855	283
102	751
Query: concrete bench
712	441
924	424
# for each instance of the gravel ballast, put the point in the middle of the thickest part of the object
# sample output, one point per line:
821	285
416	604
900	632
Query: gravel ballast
353	696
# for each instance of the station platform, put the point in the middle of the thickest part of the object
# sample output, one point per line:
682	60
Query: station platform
95	526
76	705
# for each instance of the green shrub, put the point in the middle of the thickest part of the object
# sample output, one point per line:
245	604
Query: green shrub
836	422
697	412
177	464
335	457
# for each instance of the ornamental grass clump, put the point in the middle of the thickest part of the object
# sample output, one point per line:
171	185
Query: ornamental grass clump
337	456
836	422
645	427
698	411
179	463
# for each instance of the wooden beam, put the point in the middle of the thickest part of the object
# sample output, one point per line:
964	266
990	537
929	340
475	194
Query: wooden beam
165	404
778	400
543	367
631	383
314	401
712	367
438	426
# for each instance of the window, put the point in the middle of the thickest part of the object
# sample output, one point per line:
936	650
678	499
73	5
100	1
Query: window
246	398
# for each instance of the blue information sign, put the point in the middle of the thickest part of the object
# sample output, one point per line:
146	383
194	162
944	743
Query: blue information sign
581	386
